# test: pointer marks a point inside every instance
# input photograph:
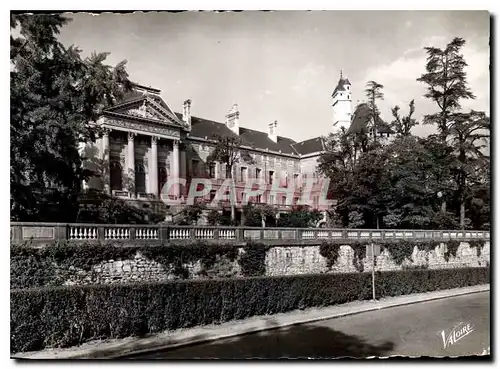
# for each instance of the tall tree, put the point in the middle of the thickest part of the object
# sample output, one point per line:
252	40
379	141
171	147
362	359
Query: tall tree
403	125
374	92
410	195
446	82
468	134
355	179
227	152
54	96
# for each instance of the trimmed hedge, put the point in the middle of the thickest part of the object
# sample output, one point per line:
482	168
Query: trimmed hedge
67	316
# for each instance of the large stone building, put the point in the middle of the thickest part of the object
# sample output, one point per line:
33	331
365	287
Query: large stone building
145	142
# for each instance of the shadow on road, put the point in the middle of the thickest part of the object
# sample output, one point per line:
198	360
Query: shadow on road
301	341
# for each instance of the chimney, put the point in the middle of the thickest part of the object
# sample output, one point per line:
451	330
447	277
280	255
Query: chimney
233	119
273	131
186	112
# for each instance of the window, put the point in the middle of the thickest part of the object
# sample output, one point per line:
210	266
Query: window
258	199
211	170
283	200
295	200
271	176
243	174
271	199
212	195
257	173
140	178
116	176
296	180
162	178
228	172
195	168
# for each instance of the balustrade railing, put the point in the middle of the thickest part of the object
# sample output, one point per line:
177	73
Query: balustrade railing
46	232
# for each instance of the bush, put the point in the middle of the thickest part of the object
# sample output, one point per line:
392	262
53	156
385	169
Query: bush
397	283
67	316
301	216
253	260
330	251
98	207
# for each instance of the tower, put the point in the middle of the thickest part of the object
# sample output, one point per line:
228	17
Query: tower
342	104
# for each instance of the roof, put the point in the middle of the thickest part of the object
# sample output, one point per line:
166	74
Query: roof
383	127
149	89
309	146
133	97
361	119
204	128
130	96
340	85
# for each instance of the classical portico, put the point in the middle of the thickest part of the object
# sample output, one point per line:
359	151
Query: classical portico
140	146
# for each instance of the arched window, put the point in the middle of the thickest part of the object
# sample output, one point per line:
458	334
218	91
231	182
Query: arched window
140	178
116	176
162	178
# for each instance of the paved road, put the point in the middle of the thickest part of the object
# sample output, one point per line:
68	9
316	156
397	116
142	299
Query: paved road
413	330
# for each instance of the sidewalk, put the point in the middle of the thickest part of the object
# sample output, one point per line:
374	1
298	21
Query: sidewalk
113	349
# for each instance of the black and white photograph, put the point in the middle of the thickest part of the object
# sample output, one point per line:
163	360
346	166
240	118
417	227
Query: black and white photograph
229	185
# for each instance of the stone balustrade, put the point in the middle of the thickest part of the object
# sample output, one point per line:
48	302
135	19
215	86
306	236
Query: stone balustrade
47	233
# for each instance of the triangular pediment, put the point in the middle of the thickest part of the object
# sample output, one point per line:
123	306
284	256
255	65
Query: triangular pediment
147	107
141	110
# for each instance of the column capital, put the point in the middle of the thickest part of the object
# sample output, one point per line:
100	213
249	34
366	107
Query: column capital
131	136
176	143
106	131
154	139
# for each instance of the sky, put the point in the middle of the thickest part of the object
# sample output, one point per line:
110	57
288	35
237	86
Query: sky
284	65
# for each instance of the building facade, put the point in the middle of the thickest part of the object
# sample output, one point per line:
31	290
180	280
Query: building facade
144	143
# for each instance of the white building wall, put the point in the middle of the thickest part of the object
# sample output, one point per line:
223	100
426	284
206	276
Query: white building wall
342	109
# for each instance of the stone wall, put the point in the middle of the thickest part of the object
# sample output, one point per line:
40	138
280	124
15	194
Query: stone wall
280	261
307	260
142	269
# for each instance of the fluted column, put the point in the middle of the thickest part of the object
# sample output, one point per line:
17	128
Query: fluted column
183	165
153	167
106	178
175	166
131	163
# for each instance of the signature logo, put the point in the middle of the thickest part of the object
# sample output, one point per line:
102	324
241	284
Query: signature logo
460	331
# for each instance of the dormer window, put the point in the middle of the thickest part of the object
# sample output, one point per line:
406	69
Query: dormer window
347	88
